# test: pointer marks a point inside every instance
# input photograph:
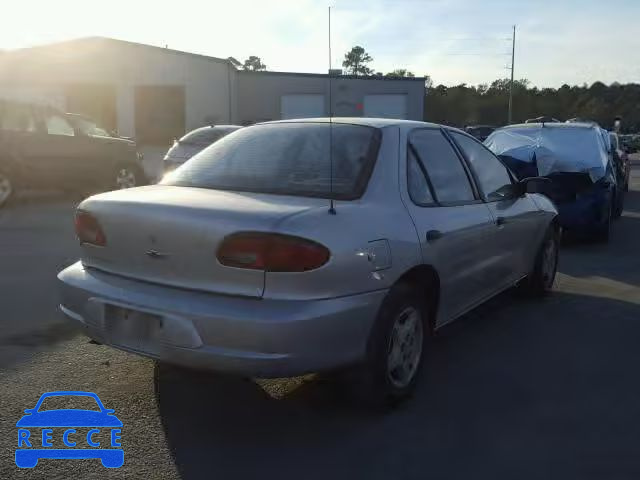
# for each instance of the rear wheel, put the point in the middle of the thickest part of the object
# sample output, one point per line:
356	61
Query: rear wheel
395	349
128	176
617	212
603	232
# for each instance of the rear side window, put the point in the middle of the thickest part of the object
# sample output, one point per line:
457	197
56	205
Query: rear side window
491	173
419	190
288	159
443	168
58	125
17	118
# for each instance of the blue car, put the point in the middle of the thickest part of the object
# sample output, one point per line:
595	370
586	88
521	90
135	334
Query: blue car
576	158
32	447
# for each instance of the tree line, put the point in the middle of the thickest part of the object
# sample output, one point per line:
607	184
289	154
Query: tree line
487	104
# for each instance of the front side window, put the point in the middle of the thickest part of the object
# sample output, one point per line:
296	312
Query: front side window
58	125
491	173
442	165
306	159
89	127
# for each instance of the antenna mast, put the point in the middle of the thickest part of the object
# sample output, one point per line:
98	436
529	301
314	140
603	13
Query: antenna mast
332	210
513	56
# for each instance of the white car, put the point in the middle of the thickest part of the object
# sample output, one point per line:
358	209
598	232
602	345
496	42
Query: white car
308	245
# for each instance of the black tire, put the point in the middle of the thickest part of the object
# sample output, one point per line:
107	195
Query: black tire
540	281
602	233
617	212
132	169
7	187
376	384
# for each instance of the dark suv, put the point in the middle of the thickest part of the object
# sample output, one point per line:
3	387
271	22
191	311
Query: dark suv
41	147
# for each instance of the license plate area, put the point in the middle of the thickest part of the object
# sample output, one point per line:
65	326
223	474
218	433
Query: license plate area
133	328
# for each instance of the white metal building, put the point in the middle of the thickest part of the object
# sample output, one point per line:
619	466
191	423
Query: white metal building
156	94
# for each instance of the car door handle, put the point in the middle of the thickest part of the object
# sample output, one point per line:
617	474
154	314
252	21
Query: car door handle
500	221
433	235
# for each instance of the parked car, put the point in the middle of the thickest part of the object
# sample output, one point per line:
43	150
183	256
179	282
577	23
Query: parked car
621	160
194	142
265	255
631	143
41	147
575	157
481	132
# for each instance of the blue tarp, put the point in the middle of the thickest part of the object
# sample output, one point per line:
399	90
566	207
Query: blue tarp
552	148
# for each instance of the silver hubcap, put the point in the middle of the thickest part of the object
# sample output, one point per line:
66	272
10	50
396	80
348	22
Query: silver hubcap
125	178
405	347
5	188
549	262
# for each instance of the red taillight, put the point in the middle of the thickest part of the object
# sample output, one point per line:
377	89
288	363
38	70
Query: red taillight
88	230
272	252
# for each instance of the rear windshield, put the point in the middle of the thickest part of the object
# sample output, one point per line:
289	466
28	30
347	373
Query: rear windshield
288	159
205	136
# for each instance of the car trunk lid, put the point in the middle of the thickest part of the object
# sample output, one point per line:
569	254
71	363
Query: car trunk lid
170	235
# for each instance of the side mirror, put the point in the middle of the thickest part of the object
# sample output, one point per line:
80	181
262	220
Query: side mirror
511	190
29	410
518	189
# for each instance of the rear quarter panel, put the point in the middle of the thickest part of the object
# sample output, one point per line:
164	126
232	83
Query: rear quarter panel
379	216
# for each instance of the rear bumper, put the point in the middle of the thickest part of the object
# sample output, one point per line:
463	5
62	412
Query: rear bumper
585	214
254	337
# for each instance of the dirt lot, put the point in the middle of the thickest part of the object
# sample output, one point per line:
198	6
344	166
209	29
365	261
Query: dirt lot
514	390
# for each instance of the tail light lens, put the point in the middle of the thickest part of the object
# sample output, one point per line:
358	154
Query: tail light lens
272	252
88	230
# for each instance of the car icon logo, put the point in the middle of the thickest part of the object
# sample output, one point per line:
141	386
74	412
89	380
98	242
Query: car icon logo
69	433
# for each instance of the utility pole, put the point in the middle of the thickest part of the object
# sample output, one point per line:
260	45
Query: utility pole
513	57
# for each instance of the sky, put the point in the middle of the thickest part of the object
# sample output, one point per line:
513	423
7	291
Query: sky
453	41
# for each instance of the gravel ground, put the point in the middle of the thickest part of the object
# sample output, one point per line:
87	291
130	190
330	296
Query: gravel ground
513	390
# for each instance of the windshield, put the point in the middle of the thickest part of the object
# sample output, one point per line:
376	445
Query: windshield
287	158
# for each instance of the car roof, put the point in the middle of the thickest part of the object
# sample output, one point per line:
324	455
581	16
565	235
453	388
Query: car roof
365	121
211	127
585	125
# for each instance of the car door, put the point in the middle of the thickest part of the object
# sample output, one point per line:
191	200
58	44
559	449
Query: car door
518	221
54	151
452	222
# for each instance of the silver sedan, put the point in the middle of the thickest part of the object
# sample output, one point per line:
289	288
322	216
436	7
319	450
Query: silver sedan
307	245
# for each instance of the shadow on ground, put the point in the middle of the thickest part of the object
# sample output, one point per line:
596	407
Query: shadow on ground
513	390
618	260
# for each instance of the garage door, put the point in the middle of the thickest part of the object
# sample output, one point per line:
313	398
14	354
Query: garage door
302	106
385	106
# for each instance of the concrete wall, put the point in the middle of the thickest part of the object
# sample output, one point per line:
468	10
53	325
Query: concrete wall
260	93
